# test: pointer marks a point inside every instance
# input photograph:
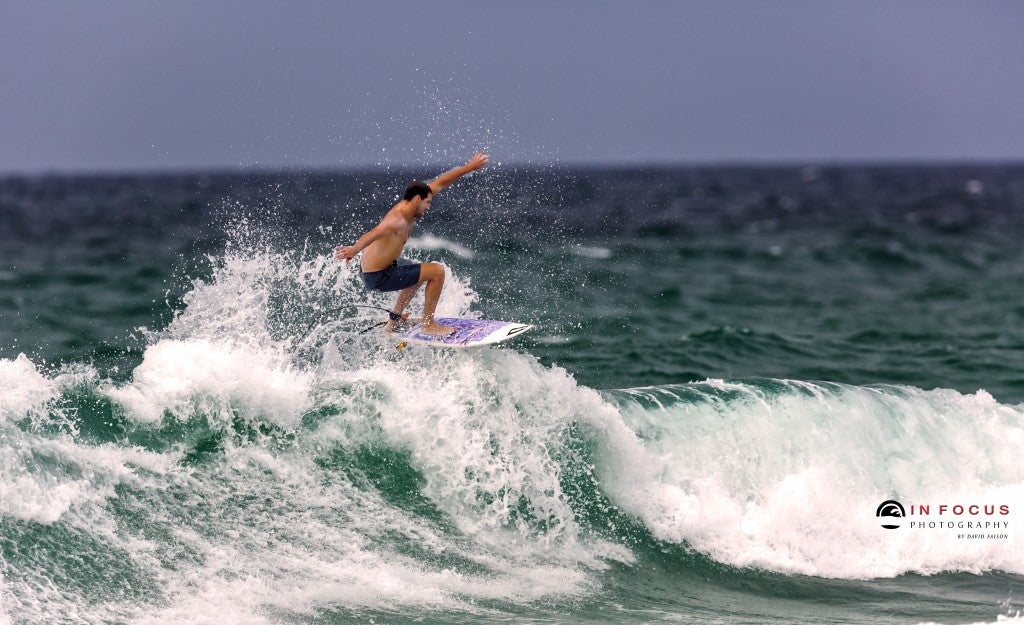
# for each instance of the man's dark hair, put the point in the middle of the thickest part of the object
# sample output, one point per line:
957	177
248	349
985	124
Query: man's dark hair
417	188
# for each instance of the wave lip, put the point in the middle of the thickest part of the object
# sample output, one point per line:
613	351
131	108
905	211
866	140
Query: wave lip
787	476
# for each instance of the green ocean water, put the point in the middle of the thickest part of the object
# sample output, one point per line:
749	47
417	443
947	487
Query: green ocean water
731	369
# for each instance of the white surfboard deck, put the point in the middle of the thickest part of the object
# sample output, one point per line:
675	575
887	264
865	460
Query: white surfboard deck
468	332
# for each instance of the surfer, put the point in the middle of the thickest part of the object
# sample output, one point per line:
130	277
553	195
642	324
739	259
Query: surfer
382	267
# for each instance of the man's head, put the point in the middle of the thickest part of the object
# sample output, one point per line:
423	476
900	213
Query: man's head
420	194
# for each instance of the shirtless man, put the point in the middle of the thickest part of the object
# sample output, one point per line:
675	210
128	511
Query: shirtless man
382	268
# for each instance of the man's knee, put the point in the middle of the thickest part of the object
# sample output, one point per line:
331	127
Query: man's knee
432	271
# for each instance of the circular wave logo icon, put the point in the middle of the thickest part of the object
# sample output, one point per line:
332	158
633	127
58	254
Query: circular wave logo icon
890	509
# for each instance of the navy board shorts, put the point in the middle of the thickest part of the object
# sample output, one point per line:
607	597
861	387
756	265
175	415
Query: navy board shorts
399	275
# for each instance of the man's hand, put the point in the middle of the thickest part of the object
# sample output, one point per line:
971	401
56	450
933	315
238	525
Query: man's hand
345	252
478	161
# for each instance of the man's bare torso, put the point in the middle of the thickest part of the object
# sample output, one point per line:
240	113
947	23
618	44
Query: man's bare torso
386	250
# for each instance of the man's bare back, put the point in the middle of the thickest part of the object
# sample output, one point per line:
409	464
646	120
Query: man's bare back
382	267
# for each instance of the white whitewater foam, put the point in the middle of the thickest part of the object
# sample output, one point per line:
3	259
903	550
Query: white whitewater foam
488	436
25	390
42	478
5	618
260	529
1012	619
323	543
486	430
183	378
428	241
790	482
601	253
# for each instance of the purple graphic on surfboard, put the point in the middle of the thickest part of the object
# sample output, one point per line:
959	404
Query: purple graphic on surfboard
469	332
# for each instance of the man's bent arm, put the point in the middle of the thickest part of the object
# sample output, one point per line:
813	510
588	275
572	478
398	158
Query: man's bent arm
447	178
348	252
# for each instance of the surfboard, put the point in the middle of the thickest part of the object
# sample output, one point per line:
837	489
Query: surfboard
468	333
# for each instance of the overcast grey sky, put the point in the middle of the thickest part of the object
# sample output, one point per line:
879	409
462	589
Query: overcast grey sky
140	84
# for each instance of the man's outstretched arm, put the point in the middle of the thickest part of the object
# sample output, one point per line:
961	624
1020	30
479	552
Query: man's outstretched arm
477	162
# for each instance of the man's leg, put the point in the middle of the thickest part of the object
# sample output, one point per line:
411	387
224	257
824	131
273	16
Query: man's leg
433	275
404	297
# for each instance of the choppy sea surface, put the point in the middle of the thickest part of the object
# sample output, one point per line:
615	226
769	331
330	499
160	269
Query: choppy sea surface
732	369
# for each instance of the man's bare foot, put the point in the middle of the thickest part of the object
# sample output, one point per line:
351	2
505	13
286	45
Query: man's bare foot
401	324
436	329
